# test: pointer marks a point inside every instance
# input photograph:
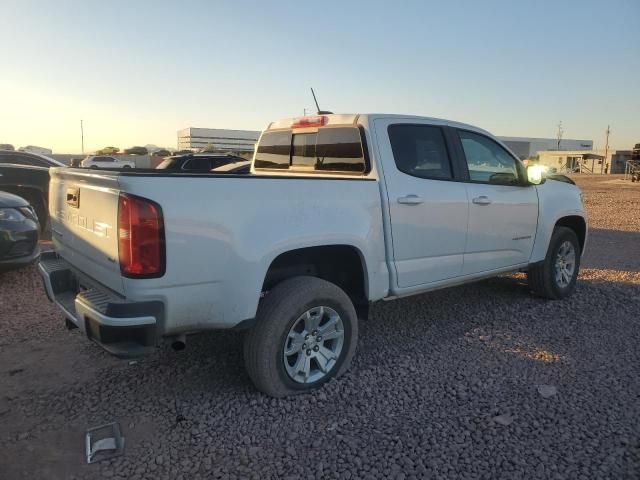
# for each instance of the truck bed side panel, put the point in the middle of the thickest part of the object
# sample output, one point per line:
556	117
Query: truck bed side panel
223	233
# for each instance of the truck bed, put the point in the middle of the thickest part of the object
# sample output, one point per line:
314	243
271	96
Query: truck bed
222	231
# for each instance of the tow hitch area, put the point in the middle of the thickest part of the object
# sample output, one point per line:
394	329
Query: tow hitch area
103	442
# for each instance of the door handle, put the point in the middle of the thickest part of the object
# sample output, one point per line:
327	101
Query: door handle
410	200
482	200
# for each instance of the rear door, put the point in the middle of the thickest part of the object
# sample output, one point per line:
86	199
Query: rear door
428	210
503	209
84	223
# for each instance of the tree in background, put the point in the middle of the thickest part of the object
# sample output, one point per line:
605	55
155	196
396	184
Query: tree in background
137	150
6	146
210	148
108	151
183	152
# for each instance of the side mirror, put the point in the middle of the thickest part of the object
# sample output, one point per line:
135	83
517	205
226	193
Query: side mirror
535	174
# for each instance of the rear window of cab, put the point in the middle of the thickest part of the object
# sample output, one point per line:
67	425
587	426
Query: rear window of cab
330	149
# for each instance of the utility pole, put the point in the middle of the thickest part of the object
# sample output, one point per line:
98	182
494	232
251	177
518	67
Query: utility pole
82	135
606	146
559	134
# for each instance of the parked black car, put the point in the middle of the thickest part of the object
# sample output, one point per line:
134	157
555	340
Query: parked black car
28	158
197	162
19	231
27	175
161	153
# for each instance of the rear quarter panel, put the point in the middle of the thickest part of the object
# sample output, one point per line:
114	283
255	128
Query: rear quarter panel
223	233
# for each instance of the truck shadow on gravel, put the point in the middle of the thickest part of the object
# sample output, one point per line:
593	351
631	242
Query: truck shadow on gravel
612	250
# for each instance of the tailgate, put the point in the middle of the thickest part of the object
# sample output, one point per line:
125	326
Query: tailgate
84	220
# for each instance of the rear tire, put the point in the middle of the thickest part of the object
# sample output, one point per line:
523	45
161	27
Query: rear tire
556	276
285	355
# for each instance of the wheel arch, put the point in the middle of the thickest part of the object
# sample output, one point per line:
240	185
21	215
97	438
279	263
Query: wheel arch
576	223
341	264
574	219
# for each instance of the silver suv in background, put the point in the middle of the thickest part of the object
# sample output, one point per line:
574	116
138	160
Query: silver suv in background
106	161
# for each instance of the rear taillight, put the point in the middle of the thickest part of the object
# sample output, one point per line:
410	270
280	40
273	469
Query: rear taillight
140	237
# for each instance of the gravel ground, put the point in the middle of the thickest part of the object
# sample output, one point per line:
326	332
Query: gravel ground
480	381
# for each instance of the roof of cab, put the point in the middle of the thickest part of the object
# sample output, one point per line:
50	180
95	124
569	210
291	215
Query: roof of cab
354	118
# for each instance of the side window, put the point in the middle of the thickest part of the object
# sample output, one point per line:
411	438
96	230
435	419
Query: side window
420	151
15	159
488	162
37	162
273	150
220	161
29	160
340	149
197	164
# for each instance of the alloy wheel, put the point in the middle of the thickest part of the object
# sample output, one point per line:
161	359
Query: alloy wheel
313	345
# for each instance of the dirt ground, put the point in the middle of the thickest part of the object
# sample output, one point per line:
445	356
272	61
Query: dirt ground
443	385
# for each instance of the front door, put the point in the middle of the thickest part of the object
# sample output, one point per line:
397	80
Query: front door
503	211
428	211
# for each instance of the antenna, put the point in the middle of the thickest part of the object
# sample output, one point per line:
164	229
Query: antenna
315	100
320	112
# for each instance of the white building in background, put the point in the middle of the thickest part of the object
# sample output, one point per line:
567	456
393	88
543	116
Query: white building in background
525	147
236	140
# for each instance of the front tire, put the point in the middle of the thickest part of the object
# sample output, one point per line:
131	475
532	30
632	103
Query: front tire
306	333
556	276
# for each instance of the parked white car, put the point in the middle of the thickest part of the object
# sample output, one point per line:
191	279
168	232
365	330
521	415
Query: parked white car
106	161
339	211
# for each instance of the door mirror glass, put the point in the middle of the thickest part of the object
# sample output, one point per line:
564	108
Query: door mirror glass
535	174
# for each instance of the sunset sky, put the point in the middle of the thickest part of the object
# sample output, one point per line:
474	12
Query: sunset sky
136	72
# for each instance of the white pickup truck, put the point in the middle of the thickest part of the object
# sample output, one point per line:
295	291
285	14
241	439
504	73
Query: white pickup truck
338	211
